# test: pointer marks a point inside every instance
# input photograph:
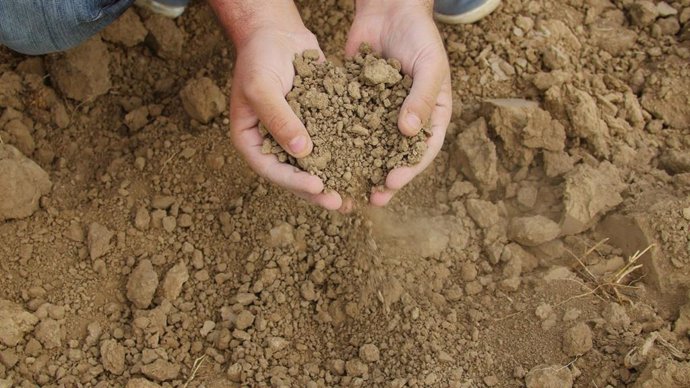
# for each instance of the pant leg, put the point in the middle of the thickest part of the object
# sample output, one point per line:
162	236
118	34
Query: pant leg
43	26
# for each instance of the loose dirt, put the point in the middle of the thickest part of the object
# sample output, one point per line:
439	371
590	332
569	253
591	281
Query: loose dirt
351	114
138	250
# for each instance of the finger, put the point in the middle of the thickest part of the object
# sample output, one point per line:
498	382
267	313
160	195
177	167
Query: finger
329	199
248	141
429	73
357	36
265	95
399	177
381	197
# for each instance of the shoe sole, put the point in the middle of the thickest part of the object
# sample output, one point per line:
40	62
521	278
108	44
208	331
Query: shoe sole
165	10
471	16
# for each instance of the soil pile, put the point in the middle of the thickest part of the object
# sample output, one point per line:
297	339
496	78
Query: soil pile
351	114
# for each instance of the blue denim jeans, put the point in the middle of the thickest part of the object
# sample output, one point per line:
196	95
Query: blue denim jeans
43	26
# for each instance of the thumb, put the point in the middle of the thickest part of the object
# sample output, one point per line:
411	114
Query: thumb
268	101
428	74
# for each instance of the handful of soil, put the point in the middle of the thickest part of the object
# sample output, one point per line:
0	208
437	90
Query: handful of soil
351	114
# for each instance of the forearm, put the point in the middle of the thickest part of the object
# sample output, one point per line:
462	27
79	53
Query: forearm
241	18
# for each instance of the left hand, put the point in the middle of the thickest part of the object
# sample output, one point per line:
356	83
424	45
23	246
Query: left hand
405	30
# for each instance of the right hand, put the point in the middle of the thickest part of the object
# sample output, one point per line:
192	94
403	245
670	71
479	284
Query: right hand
263	76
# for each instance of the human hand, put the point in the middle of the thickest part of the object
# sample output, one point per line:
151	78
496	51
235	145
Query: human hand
405	30
263	75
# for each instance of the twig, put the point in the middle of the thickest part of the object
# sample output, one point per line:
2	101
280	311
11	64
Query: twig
195	369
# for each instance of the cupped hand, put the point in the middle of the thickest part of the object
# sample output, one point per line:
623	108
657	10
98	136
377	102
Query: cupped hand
405	30
263	75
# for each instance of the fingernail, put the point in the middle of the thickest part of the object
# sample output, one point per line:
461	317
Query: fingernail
298	145
414	122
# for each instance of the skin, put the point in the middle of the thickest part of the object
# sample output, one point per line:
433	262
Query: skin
267	35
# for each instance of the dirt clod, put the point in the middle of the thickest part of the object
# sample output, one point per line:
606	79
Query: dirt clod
142	284
549	376
202	99
83	72
22	183
351	113
577	340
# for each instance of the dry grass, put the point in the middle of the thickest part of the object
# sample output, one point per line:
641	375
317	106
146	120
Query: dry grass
609	286
195	368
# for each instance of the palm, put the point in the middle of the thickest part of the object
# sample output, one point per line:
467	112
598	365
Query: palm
415	42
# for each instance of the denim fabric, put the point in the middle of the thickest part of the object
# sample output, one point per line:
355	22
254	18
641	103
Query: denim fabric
42	26
456	7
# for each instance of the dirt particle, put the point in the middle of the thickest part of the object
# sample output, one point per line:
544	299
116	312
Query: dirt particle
22	183
356	368
643	13
141	383
14	323
141	285
173	281
369	353
127	30
113	357
202	99
577	340
161	370
166	39
378	71
244	320
98	240
142	219
50	333
83	72
532	231
476	155
549	376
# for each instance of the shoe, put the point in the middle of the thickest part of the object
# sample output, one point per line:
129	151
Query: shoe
463	11
168	8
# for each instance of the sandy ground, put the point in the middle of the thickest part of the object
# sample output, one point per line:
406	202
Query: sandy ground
548	245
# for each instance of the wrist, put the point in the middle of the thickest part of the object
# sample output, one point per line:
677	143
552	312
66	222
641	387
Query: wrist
385	6
243	18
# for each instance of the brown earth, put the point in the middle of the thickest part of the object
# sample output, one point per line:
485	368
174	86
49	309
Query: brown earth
154	257
351	114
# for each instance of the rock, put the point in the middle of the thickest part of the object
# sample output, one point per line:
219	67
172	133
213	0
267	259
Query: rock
356	368
616	316
15	322
378	71
277	344
664	372
614	40
669	100
589	194
202	99
173	281
675	161
49	332
137	119
141	383
524	127
162	202
549	376
165	38
113	357
475	155
281	235
161	370
142	219
577	340
643	13
532	231
244	320
585	119
98	240
22	183
83	72
369	353
142	284
557	163
127	30
20	137
484	213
